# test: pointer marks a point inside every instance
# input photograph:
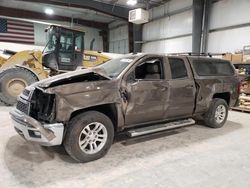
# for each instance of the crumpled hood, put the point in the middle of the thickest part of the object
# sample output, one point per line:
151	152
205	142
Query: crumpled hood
67	77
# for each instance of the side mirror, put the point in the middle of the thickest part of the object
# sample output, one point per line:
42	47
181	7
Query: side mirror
131	77
139	72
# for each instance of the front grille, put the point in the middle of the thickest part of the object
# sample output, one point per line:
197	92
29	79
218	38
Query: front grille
26	92
23	107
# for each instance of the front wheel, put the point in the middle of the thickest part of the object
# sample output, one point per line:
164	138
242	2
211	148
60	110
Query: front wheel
217	113
89	136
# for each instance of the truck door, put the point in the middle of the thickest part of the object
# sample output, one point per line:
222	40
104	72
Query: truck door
78	48
146	91
181	99
70	50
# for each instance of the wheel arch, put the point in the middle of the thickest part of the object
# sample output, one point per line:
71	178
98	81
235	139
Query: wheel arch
111	110
225	96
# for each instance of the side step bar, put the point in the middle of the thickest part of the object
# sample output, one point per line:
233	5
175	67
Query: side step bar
160	127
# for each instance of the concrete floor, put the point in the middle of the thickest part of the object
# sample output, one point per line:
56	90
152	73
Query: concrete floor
195	156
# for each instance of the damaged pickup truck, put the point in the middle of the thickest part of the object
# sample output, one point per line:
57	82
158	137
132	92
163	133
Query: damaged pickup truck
137	94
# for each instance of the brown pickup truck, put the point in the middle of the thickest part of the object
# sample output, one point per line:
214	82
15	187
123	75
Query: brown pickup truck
137	94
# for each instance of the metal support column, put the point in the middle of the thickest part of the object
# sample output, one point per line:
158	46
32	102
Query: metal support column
137	37
205	29
198	8
105	40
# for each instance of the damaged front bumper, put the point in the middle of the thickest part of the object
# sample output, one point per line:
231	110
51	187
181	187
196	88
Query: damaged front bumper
32	130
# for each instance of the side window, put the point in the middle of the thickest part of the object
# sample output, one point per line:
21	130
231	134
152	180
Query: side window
178	68
78	43
66	42
52	42
213	67
150	69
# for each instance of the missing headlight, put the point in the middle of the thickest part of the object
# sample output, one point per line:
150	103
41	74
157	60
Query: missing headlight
43	106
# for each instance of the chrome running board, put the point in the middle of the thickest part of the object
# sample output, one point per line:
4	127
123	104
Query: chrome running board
160	127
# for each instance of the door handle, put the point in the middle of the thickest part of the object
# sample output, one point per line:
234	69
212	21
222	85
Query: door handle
164	88
189	86
134	83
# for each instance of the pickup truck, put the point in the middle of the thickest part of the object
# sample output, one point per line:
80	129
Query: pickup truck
137	94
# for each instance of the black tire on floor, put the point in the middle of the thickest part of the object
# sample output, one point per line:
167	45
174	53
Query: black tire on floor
10	74
210	116
73	132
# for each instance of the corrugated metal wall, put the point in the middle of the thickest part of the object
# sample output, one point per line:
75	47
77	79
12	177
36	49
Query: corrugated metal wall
229	26
118	37
170	28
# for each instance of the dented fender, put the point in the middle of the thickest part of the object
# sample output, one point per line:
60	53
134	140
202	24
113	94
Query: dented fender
82	95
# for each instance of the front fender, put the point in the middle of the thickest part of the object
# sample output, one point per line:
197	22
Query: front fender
77	96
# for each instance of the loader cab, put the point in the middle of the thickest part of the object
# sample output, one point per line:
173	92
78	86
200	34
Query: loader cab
64	49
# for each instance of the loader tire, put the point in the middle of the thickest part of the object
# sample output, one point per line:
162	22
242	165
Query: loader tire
12	83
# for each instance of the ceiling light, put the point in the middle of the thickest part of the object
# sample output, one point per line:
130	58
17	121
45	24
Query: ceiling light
132	2
49	11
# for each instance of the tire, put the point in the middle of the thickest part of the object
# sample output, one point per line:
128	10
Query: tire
74	135
13	81
211	118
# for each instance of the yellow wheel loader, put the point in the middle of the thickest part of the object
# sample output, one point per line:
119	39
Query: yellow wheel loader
64	52
2	61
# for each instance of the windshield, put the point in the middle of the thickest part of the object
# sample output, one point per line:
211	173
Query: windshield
115	66
52	41
66	43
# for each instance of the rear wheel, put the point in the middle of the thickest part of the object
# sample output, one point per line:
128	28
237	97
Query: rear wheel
89	136
217	114
13	81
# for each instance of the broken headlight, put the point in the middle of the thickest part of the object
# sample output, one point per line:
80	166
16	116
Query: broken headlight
43	106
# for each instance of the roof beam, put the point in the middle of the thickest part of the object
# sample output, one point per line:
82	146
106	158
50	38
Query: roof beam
11	12
113	10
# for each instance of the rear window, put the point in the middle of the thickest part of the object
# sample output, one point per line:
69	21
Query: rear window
213	68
